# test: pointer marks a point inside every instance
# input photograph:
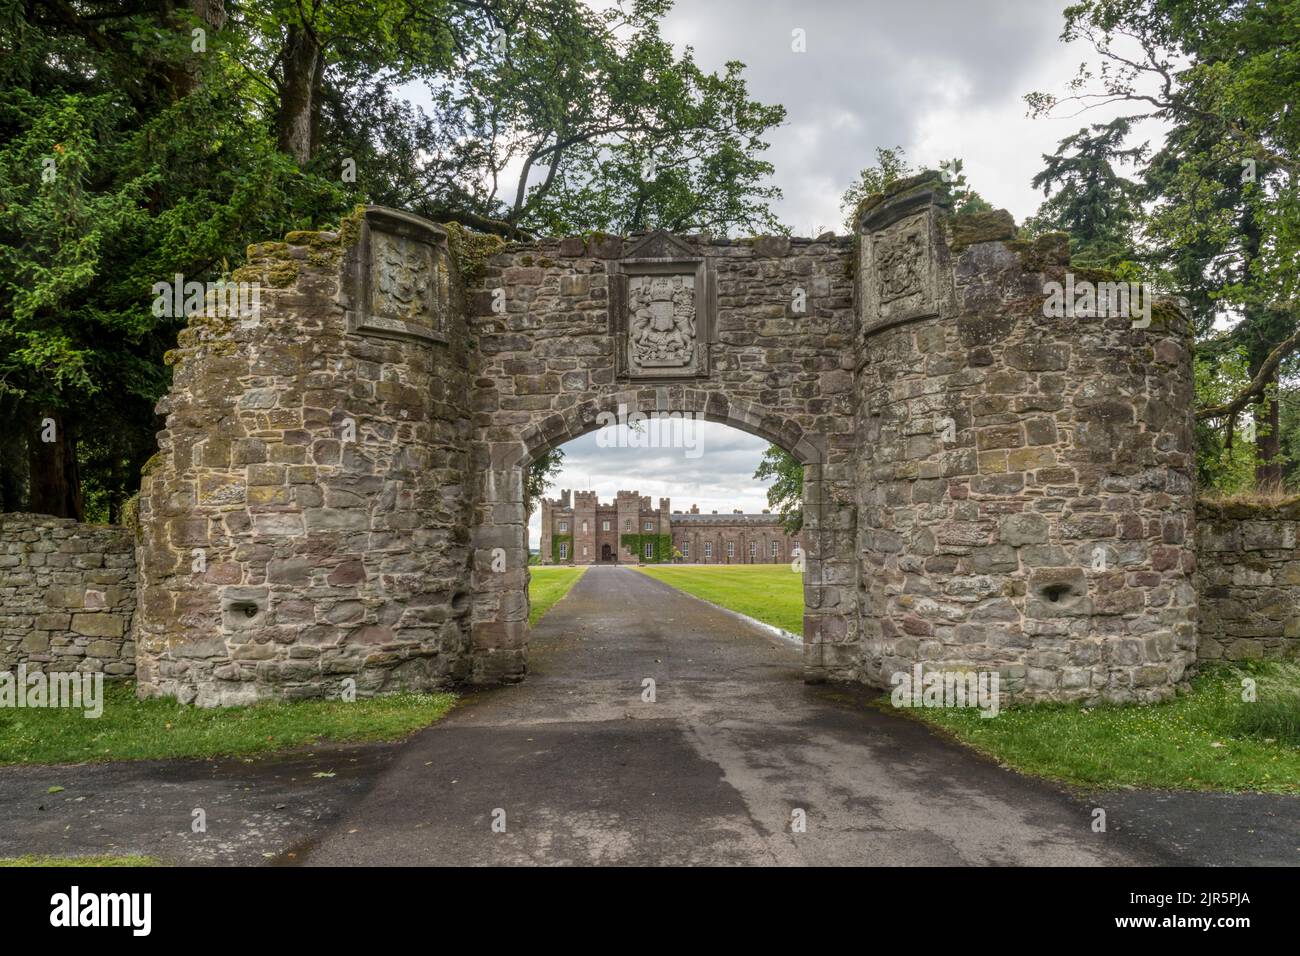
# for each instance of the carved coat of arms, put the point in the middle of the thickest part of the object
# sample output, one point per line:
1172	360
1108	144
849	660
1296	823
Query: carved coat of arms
661	320
397	278
662	309
404	280
897	265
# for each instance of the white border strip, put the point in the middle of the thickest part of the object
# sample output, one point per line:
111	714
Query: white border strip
770	629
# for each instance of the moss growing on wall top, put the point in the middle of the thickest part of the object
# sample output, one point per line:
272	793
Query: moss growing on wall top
471	250
1250	506
989	226
1039	254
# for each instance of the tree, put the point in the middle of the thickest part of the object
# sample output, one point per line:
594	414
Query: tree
293	50
123	161
1205	240
541	475
892	167
555	117
1087	199
785	496
1224	222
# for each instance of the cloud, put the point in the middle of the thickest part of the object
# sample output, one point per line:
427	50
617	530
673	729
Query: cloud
941	78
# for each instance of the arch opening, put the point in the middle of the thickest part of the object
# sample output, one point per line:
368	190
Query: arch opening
501	631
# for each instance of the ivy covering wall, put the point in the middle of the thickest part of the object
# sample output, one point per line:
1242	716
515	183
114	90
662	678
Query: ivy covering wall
663	546
556	540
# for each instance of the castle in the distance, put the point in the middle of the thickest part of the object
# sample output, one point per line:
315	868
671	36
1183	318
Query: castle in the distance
578	529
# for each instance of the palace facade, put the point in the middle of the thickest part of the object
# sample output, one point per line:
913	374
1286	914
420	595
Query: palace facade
578	529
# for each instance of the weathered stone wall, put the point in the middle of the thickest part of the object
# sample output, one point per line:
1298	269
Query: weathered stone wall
339	490
305	520
67	595
776	325
1248	580
1025	491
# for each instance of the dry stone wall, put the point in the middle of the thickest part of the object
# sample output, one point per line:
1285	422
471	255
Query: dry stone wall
1248	581
67	596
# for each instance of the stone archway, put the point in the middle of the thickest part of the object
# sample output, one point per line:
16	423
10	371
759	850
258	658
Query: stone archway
338	494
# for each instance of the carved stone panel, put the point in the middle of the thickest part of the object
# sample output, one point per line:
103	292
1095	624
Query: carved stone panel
661	321
400	281
661	312
903	273
899	263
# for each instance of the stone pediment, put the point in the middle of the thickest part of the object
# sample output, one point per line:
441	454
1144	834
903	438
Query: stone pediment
660	244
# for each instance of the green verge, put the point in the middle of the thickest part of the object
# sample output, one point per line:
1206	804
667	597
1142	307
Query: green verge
771	593
546	585
1208	739
131	729
78	861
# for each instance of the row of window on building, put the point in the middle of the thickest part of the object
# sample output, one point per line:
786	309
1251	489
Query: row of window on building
731	550
604	526
686	548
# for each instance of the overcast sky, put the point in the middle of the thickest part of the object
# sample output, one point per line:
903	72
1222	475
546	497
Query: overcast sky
941	78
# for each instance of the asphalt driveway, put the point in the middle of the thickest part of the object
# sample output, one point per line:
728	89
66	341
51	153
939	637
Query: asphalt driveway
735	761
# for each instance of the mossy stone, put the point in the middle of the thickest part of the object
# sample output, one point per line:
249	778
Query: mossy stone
992	226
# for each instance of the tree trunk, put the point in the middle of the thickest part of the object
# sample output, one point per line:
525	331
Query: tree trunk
211	12
301	58
13	474
1268	440
318	78
182	77
55	480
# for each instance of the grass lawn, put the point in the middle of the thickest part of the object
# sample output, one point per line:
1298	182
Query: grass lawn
772	593
78	861
1207	740
131	729
547	585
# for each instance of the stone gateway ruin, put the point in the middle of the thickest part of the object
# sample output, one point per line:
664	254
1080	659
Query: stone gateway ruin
338	493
